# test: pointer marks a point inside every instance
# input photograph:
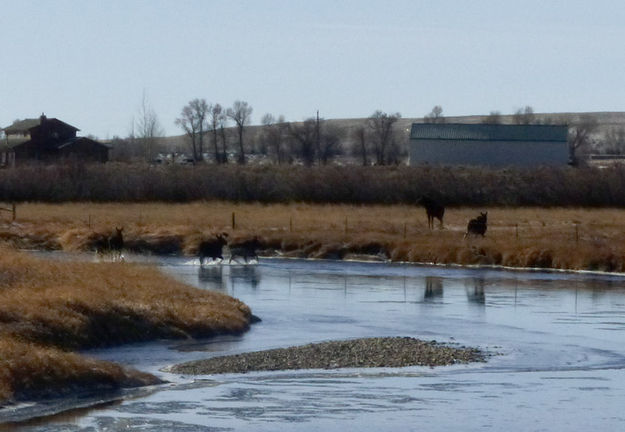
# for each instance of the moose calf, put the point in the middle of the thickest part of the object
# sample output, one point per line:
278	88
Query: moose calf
245	249
477	226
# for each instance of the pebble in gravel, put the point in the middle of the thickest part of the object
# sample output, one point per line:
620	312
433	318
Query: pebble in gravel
357	353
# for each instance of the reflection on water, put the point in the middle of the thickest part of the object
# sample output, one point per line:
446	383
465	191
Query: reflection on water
475	291
247	275
433	288
211	277
558	338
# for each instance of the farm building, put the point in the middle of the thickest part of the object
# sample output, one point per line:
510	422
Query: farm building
488	144
48	140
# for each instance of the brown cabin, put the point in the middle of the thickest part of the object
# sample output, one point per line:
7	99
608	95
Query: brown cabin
48	140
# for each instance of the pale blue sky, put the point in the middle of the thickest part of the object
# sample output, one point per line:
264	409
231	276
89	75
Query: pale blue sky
88	62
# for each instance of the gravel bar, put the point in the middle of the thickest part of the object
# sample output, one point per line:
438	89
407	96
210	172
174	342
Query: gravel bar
356	353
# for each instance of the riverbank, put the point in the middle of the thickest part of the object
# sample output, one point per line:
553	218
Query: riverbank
548	238
357	353
50	309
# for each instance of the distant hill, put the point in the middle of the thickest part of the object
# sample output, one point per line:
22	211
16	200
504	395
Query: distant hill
606	121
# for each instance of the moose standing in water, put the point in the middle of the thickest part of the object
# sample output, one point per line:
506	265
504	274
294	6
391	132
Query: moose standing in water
477	226
245	249
116	243
433	209
212	248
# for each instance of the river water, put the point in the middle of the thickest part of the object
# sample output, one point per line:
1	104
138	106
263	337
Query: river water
557	344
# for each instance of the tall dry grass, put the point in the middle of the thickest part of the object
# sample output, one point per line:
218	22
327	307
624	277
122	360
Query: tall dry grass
48	308
566	238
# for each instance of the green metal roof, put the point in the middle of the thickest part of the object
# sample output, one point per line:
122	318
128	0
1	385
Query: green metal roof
488	132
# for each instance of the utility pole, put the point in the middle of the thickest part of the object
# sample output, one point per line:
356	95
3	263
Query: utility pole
317	139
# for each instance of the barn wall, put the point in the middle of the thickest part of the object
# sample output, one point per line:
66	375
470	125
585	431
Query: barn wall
491	153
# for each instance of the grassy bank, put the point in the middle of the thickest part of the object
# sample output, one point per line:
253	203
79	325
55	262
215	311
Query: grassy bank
50	308
563	238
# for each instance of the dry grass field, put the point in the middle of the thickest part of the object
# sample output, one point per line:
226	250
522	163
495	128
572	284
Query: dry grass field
563	238
49	308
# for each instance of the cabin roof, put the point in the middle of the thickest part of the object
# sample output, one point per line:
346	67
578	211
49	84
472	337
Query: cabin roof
23	126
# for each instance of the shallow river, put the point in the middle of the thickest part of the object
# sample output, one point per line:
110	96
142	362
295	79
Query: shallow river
557	342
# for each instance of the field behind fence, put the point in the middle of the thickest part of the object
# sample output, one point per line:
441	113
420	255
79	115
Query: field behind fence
568	238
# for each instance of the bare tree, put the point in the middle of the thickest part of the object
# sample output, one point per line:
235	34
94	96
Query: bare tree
614	141
240	113
493	118
580	136
381	125
524	116
273	136
359	136
304	136
223	122
193	121
330	137
147	128
216	118
435	116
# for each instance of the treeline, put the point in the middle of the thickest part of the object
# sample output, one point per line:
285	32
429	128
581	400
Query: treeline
564	186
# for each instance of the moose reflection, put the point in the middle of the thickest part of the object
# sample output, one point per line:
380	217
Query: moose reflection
475	291
211	277
246	275
433	288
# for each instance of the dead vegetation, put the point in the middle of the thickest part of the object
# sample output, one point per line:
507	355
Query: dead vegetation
459	186
563	238
49	308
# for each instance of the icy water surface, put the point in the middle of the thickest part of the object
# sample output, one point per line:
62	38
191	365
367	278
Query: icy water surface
557	339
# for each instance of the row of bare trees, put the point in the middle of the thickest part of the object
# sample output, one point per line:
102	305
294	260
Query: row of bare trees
199	117
376	140
211	128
